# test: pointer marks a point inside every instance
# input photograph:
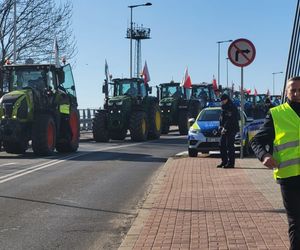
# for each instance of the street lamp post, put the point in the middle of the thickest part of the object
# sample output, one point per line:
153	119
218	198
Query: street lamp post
131	7
15	32
227	71
219	42
275	73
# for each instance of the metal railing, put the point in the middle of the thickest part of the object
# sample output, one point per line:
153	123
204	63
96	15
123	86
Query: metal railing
86	118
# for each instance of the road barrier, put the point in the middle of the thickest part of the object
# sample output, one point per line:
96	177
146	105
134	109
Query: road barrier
86	119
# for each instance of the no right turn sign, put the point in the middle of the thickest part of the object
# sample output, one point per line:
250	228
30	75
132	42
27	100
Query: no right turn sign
241	52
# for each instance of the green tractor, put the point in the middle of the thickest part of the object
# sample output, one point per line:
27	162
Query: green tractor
202	96
127	107
38	104
174	104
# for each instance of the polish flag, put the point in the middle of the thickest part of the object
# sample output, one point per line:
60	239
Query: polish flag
255	92
145	74
247	91
186	81
214	84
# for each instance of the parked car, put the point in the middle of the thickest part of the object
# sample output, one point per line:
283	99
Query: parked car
204	134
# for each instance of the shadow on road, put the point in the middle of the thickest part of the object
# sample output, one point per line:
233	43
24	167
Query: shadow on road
118	156
91	156
67	205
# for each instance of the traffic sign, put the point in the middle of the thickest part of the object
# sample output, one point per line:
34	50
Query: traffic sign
241	52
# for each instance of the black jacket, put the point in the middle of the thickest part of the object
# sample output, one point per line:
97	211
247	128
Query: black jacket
262	142
229	118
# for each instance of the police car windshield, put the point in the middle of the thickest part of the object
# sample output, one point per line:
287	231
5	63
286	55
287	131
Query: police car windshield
210	115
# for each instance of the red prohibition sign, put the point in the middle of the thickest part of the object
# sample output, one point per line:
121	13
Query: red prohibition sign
241	52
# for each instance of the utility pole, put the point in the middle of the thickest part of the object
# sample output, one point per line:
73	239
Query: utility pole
219	42
130	33
15	31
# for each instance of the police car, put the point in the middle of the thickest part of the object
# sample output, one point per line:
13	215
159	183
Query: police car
204	134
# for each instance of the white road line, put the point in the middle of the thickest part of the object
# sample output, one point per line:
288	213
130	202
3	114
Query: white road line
7	164
32	169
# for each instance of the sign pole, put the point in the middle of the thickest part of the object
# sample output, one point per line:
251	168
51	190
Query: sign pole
241	53
242	112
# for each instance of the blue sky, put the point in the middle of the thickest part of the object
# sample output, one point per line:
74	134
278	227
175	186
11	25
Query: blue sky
183	34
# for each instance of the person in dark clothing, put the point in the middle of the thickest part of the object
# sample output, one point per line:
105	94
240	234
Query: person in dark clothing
276	145
229	126
268	105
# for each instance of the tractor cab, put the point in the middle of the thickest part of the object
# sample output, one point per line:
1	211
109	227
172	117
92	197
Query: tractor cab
127	89
171	90
127	107
174	104
205	94
38	103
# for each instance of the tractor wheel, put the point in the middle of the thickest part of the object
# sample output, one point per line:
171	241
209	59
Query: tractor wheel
71	142
43	135
165	128
16	147
118	134
183	122
154	122
138	126
100	131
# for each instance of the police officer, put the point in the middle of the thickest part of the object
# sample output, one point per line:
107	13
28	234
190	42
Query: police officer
268	105
229	126
277	146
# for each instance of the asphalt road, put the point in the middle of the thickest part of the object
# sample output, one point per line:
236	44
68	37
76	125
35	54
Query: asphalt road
85	200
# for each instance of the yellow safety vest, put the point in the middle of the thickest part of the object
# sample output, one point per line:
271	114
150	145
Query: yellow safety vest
64	109
286	147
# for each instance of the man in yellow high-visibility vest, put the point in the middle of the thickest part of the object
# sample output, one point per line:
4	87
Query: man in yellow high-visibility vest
277	146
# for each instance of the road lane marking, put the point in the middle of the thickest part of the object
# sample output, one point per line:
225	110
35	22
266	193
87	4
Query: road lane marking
32	169
7	164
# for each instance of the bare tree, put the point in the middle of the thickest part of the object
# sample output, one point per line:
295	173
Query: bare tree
38	23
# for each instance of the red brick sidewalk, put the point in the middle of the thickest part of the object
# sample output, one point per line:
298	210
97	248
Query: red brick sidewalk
194	205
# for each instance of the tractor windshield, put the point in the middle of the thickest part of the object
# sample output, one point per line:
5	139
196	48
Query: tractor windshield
20	78
250	98
171	91
260	99
126	87
200	93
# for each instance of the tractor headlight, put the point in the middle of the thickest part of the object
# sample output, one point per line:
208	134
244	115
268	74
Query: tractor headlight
195	130
110	103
